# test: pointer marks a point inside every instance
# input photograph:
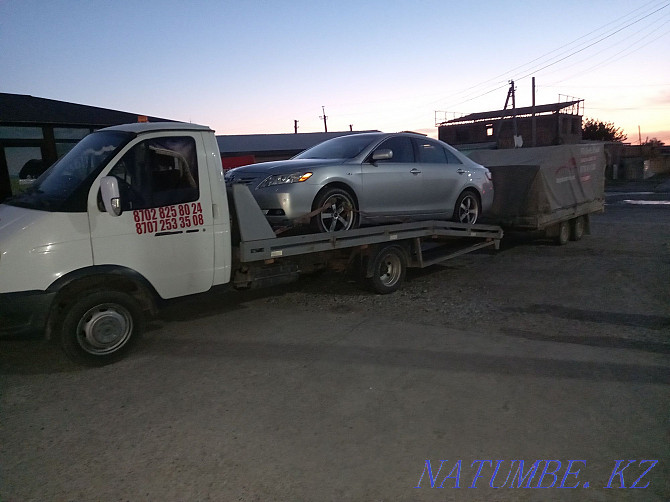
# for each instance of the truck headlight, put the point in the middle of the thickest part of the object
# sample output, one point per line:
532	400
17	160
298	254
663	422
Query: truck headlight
283	179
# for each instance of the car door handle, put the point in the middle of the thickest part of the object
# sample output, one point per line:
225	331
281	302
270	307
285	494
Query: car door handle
461	171
415	171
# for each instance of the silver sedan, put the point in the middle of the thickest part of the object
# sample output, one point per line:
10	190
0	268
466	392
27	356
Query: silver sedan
369	178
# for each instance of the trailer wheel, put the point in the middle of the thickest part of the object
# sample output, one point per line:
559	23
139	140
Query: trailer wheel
563	233
100	327
577	228
388	267
467	208
339	211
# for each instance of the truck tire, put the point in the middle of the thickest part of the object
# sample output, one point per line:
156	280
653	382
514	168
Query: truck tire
563	235
100	327
340	211
577	228
468	208
389	266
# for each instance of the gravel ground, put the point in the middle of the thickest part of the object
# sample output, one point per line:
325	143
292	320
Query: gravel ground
319	390
610	288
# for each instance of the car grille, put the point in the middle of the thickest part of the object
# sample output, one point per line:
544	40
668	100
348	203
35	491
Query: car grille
249	179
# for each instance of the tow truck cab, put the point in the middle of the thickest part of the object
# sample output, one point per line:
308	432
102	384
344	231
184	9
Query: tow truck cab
133	210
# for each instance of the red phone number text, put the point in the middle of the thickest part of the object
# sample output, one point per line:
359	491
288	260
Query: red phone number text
168	218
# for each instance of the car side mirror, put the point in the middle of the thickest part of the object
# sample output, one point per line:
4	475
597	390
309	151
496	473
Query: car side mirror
111	197
382	154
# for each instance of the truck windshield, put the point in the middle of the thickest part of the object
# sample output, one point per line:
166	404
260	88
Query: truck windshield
65	185
343	147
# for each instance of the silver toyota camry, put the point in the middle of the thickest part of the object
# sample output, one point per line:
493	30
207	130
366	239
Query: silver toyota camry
369	178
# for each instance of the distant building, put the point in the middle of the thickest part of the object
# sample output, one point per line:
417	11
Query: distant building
240	150
634	162
35	132
541	125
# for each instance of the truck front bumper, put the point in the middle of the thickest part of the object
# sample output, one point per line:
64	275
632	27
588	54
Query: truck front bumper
24	312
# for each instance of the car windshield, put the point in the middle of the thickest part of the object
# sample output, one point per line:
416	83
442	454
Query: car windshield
344	147
65	185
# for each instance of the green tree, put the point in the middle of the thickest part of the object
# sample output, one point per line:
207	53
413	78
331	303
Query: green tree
597	130
653	142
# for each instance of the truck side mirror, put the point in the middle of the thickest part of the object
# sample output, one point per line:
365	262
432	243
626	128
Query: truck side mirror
382	154
111	197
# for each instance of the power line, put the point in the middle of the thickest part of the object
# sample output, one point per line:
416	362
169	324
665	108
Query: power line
594	43
554	61
564	46
631	49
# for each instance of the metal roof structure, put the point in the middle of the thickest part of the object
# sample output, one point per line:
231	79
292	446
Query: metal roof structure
25	109
257	143
511	112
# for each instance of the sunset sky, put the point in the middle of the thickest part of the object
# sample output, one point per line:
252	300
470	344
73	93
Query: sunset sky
254	67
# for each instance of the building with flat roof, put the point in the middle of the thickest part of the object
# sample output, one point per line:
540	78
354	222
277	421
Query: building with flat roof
541	125
243	149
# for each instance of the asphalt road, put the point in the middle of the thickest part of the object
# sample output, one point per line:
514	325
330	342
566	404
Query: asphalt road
319	393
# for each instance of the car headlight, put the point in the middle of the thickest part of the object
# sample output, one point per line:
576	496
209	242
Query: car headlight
283	179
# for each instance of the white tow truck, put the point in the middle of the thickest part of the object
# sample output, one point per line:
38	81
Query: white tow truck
140	213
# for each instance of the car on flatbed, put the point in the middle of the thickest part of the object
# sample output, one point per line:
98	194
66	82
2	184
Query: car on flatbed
369	178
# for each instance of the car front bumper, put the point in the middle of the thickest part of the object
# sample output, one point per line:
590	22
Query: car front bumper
286	203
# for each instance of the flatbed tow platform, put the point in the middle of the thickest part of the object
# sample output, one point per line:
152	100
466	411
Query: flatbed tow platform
382	253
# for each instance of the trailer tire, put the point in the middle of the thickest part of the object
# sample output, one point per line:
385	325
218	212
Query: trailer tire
100	327
577	228
563	235
468	208
388	266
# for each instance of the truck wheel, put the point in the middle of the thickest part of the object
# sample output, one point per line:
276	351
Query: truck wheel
339	213
467	208
100	327
577	228
563	233
388	267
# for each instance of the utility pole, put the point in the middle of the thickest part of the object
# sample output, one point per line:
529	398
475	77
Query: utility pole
295	126
512	89
510	94
324	117
533	123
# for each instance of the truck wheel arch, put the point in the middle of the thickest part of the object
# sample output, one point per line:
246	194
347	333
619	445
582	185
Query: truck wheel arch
108	277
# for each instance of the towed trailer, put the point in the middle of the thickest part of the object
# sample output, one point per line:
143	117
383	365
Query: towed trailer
551	189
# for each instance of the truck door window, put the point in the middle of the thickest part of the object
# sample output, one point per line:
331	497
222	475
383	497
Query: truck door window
158	172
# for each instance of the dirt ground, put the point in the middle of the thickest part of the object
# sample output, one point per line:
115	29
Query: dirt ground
319	390
611	289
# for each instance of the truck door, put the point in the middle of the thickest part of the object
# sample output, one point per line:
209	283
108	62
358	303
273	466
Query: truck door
165	229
